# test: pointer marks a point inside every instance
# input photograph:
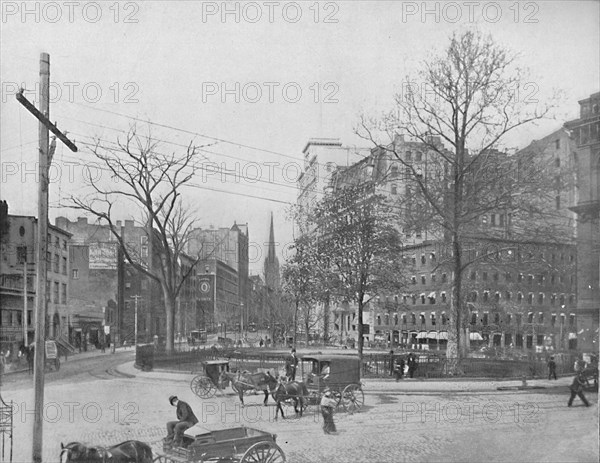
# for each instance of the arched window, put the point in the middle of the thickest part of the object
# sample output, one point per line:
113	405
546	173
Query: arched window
396	319
387	319
519	297
413	318
530	317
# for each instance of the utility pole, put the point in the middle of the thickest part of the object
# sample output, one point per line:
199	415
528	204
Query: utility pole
25	340
45	158
135	321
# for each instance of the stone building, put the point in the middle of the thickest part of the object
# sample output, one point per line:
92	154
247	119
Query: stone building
18	248
222	276
525	298
585	133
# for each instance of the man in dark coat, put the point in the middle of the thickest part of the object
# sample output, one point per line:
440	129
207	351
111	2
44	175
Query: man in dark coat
577	388
185	419
391	362
551	368
412	365
291	364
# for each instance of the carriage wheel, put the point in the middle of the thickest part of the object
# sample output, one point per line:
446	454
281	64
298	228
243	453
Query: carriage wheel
203	387
264	452
353	398
162	459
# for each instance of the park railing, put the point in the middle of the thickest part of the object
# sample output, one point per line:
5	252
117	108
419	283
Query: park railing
439	366
375	365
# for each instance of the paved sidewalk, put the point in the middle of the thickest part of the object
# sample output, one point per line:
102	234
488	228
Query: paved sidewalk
380	385
77	356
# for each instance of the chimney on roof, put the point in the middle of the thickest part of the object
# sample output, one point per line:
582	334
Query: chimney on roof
398	138
129	224
82	221
118	224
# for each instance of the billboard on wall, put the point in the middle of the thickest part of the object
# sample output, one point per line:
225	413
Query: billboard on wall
103	256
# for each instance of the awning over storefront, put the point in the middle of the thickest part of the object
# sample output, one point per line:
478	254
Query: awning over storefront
572	335
433	335
422	335
443	335
475	337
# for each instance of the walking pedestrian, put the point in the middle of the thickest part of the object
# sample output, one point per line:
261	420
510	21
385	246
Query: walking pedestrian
261	342
551	368
412	365
577	388
400	365
391	362
328	404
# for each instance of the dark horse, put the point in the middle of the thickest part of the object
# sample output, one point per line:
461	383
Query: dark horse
294	390
131	451
246	381
28	353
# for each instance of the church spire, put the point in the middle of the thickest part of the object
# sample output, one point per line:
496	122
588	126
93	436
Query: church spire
271	266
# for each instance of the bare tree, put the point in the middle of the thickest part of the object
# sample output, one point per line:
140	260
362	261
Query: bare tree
460	109
151	182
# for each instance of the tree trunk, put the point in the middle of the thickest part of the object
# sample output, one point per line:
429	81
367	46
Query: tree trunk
326	320
296	323
360	331
170	316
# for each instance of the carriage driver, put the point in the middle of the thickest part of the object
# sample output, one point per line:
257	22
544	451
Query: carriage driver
185	419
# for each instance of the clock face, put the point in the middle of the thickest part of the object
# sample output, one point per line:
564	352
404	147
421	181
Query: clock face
205	287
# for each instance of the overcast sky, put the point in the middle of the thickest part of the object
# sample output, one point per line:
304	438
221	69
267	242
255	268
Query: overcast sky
297	70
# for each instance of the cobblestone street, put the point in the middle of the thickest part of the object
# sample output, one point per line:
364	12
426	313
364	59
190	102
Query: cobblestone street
407	421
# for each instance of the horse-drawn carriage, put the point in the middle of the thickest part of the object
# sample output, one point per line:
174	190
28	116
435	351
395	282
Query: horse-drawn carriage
235	445
216	377
205	385
339	374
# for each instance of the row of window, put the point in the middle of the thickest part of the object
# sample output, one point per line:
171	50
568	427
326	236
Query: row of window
540	298
541	279
484	319
56	292
487	297
507	255
58	243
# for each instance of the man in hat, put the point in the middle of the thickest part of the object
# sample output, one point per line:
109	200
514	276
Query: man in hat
291	364
185	419
576	388
328	404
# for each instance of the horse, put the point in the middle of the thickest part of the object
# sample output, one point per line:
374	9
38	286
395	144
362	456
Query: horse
28	353
244	381
131	451
294	390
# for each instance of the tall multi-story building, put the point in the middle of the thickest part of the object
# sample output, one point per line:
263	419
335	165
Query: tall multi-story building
524	300
585	133
321	157
104	284
18	269
222	276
